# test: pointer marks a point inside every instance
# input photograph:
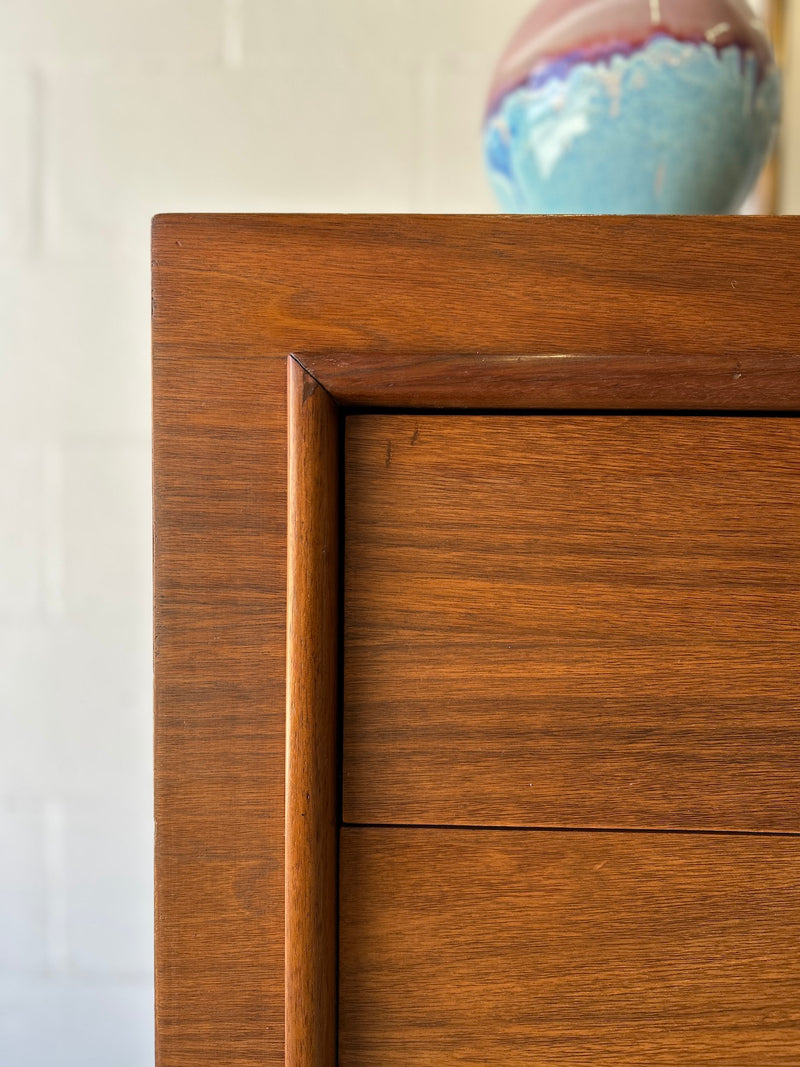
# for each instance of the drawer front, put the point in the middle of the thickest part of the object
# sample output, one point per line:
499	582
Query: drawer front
572	621
552	948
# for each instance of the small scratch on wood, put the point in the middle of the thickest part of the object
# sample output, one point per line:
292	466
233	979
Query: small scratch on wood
738	372
600	866
388	454
415	435
310	386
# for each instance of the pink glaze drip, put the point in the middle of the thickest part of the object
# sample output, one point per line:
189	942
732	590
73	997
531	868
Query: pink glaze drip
560	27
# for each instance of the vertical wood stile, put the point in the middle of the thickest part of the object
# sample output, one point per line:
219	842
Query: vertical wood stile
311	724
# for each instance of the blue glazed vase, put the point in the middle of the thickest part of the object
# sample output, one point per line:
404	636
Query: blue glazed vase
632	107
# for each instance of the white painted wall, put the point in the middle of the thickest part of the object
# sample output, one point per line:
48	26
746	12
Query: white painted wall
110	111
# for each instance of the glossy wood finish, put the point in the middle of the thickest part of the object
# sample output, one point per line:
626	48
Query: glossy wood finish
312	815
385	310
546	948
220	656
572	621
490	311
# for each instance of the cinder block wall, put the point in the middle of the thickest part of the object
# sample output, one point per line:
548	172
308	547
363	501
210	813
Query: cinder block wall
110	112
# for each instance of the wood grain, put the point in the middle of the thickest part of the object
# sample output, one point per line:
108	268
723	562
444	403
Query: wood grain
572	621
220	654
537	949
311	723
493	312
389	310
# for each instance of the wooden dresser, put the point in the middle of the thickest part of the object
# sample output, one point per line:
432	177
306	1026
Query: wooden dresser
477	560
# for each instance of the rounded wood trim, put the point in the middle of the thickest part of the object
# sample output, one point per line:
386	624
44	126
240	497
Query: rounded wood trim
311	729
